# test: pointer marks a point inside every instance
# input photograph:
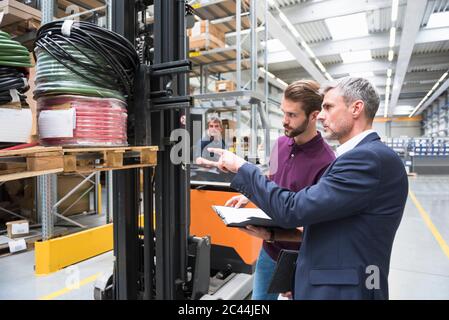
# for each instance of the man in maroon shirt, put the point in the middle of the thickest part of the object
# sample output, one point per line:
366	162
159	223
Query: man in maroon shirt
298	160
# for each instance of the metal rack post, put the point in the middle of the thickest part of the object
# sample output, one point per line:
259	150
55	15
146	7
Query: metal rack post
46	184
45	203
47	11
238	26
109	195
254	77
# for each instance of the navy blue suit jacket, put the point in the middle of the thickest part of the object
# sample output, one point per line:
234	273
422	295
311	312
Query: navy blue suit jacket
350	218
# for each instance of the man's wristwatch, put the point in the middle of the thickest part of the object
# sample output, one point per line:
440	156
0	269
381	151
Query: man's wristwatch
272	234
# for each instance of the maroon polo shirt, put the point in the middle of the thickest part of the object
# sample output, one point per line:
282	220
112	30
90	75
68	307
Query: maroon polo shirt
294	168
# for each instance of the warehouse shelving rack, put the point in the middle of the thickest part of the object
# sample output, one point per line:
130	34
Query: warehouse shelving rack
241	18
22	21
436	117
46	180
46	172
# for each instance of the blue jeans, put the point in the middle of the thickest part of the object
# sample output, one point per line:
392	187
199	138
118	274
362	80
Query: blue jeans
262	276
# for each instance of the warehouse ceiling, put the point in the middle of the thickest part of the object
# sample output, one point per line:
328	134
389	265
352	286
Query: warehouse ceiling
402	46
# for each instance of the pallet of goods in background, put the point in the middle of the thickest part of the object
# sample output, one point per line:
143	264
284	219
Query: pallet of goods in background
19	19
205	36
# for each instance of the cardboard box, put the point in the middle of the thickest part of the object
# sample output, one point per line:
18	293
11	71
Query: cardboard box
205	27
18	229
205	36
65	184
224	86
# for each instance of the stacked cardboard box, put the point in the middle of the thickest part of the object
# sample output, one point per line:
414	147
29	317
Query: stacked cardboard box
18	229
224	85
205	36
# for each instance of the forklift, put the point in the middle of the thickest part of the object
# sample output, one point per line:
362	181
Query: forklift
170	253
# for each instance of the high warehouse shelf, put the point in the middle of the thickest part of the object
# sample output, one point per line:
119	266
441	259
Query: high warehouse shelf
219	60
23	19
222	13
216	9
20	20
238	61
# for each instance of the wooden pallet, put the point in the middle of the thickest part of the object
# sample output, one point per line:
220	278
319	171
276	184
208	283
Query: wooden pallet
20	20
30	162
16	13
30	240
104	159
205	42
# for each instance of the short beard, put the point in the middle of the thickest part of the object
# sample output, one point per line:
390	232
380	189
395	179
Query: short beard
299	130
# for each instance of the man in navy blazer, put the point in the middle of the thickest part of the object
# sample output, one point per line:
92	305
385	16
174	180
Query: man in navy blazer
351	215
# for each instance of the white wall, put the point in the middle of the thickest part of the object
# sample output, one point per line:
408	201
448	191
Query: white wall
396	129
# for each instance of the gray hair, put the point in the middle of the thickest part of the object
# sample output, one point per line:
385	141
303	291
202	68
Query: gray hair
215	119
353	89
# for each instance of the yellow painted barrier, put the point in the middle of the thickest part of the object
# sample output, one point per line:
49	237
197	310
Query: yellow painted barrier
55	254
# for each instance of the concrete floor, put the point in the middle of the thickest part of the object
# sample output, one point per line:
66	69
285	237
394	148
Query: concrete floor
419	263
419	267
18	282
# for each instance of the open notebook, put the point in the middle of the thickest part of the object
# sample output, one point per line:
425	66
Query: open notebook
243	217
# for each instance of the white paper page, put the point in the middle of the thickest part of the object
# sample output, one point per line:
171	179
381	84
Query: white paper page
233	215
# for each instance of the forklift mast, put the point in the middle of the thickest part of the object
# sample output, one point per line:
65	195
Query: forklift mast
156	259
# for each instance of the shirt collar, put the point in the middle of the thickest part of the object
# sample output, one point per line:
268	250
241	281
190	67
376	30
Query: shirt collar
308	145
351	143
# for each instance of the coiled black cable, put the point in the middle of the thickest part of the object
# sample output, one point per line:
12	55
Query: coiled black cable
12	79
91	61
14	59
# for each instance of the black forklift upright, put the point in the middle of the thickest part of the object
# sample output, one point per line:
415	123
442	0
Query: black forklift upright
167	263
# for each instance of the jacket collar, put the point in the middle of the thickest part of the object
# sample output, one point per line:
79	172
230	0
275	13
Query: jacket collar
369	138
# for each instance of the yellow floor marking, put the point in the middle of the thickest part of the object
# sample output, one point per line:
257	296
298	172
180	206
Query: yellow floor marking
58	293
430	224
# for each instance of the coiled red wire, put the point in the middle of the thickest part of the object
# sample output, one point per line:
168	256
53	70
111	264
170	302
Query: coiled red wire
99	121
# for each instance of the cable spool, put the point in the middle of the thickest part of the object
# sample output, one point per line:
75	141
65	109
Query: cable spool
95	121
12	53
82	58
88	72
14	61
13	85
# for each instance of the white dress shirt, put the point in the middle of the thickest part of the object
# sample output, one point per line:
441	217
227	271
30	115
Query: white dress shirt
351	143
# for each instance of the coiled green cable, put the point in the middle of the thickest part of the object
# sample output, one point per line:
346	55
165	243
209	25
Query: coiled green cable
52	77
12	53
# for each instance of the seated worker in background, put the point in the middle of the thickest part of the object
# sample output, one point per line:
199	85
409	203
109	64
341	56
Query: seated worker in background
297	160
213	139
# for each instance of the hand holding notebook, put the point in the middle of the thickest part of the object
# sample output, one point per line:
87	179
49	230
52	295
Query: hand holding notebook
242	217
